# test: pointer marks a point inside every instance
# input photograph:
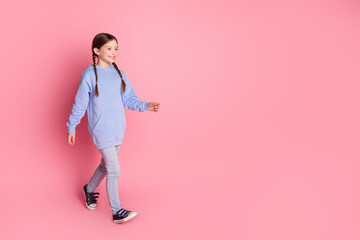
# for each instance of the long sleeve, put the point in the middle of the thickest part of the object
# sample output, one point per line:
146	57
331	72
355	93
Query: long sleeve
130	98
80	105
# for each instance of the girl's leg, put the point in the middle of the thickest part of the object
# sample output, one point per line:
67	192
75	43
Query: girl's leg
99	174
111	163
97	177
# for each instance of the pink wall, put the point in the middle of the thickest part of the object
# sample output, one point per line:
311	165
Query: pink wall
257	136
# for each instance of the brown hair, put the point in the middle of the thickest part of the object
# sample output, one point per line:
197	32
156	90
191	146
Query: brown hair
99	40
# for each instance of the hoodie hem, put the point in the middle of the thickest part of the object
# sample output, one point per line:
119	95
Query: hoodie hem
108	144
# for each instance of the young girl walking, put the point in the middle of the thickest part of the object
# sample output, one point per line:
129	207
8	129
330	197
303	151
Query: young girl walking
103	92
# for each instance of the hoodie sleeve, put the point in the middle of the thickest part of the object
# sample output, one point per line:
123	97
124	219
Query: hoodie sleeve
80	105
130	98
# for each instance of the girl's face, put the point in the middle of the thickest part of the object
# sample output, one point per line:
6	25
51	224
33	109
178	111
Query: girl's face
107	53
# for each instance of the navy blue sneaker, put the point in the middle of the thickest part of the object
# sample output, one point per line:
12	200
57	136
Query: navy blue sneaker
123	215
90	198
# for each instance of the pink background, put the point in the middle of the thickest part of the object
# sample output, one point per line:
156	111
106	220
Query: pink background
257	136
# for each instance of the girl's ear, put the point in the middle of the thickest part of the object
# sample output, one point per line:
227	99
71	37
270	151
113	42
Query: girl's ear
96	51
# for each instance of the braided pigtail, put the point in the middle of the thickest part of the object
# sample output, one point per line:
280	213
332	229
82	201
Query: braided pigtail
96	86
123	82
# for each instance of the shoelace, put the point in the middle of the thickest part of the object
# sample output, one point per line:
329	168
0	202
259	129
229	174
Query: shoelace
123	212
92	197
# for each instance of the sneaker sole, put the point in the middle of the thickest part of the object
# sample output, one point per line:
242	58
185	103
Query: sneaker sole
91	208
126	219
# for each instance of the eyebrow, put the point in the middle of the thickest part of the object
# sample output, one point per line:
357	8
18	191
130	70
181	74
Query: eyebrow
110	46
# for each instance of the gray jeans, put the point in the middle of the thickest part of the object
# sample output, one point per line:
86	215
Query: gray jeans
109	167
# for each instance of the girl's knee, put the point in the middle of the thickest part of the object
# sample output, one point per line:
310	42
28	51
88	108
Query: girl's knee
113	172
102	166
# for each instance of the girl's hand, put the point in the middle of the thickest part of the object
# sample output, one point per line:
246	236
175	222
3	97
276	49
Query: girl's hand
154	106
71	138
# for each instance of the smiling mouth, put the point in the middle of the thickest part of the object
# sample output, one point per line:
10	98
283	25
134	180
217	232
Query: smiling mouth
111	57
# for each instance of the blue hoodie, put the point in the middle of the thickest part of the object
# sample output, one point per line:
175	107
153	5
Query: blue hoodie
106	113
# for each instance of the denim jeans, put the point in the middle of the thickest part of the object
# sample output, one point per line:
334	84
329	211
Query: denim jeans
109	167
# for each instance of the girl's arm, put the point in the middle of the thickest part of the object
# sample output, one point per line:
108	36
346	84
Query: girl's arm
80	105
130	98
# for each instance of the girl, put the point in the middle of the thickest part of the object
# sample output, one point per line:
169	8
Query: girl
104	90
